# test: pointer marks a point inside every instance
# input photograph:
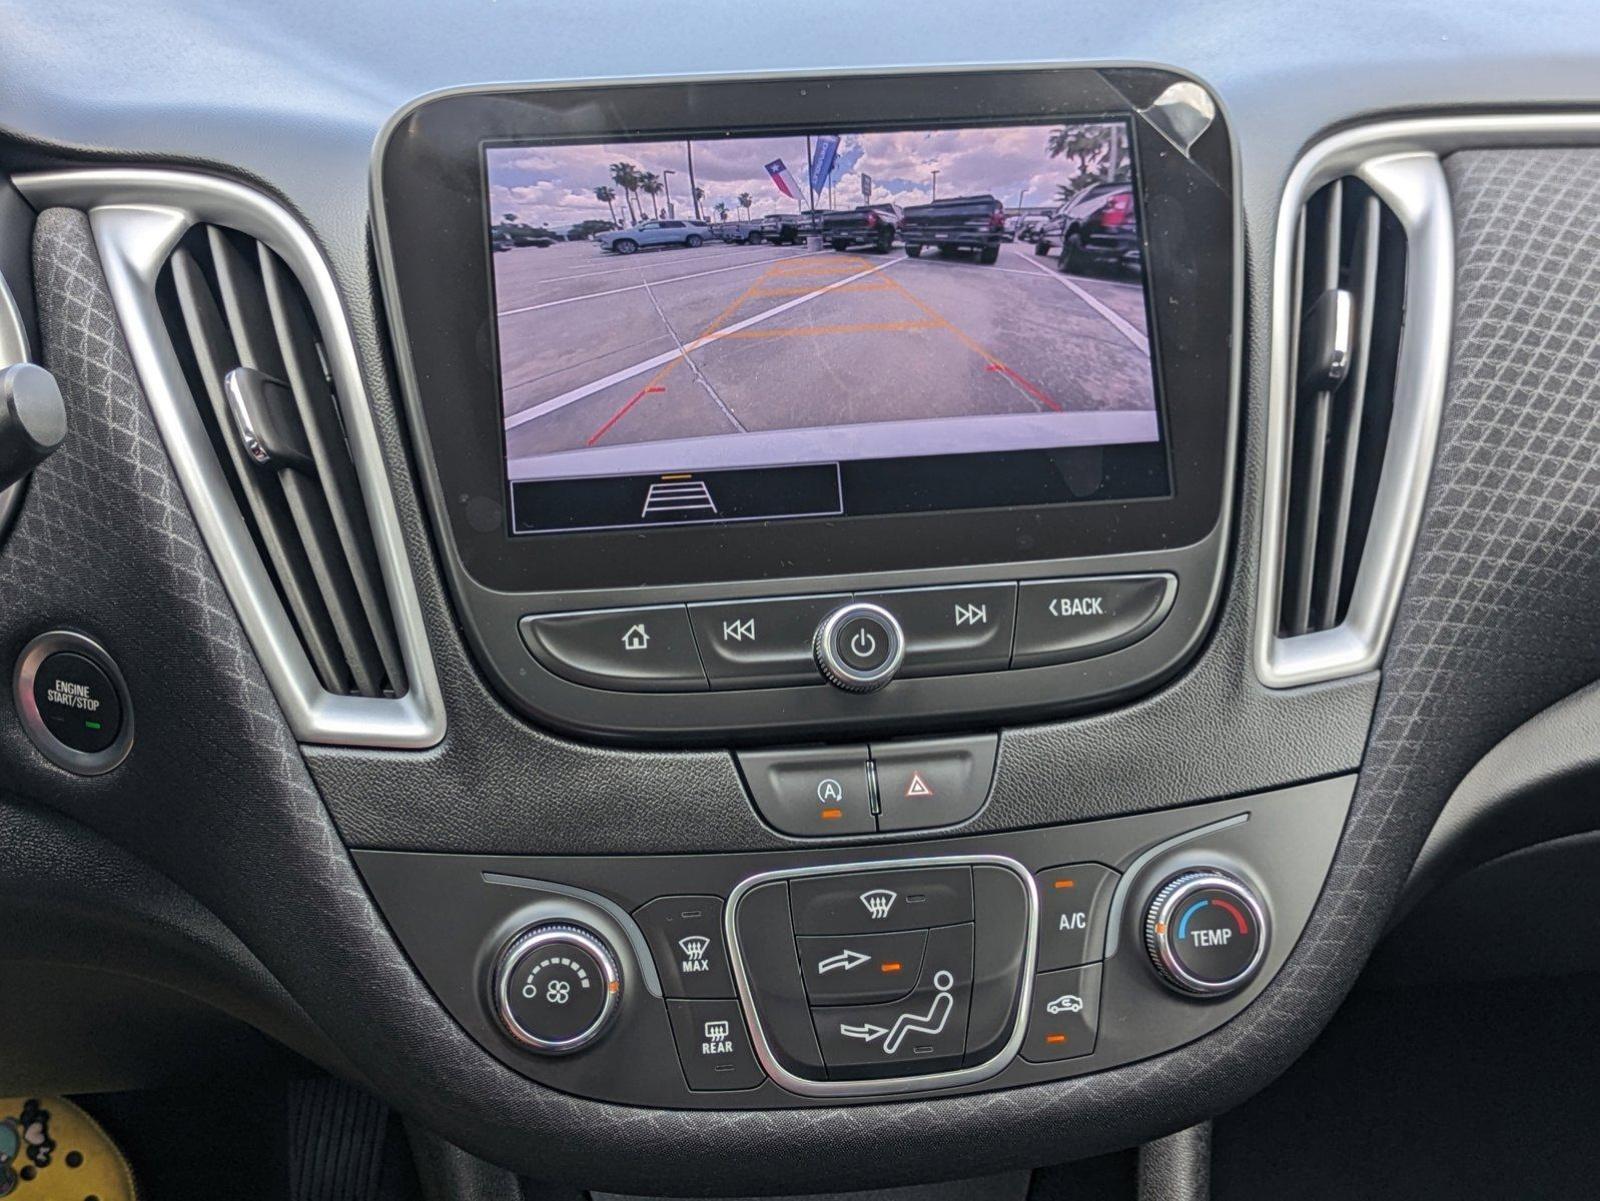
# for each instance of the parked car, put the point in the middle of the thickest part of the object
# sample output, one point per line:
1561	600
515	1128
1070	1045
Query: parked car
784	228
665	232
1099	224
976	223
737	231
873	225
516	234
1028	228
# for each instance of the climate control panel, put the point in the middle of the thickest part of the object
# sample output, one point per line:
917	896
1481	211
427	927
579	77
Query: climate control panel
825	975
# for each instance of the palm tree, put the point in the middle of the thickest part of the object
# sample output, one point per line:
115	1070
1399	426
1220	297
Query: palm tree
745	201
606	196
1088	148
626	176
722	210
699	195
650	185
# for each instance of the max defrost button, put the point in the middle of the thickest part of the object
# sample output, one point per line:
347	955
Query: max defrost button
631	650
812	792
1059	621
686	938
932	782
713	1045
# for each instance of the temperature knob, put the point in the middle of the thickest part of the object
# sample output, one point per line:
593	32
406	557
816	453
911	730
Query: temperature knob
1206	933
556	988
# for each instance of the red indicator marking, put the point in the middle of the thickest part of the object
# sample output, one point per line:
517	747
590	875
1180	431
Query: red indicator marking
1030	389
832	815
1244	926
622	412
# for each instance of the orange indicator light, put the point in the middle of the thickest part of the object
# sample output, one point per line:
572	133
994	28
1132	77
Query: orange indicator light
888	967
832	815
1066	884
1055	1038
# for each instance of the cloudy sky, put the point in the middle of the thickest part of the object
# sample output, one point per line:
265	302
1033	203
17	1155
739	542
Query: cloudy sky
554	185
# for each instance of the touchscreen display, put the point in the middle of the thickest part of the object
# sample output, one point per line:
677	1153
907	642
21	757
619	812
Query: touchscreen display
837	324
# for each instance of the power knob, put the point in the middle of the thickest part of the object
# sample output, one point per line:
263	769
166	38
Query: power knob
859	647
556	988
1206	933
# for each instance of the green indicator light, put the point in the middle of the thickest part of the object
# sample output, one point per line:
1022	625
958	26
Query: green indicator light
93	725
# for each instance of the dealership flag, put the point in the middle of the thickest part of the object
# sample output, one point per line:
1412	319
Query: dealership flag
781	177
822	156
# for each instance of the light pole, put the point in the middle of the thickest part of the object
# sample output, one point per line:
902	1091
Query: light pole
666	186
936	183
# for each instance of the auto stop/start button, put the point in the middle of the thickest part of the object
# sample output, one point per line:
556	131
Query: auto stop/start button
77	702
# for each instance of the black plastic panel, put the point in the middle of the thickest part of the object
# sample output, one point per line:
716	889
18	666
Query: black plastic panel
453	912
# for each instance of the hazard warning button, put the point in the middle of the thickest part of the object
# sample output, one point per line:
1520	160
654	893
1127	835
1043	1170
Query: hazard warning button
933	782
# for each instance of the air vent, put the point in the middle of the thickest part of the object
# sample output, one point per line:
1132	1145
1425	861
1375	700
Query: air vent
1350	268
1363	286
249	344
244	353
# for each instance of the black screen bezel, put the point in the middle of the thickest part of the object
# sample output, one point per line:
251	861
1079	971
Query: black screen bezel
430	193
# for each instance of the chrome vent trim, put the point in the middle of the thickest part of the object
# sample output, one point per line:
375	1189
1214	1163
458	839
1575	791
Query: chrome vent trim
1411	183
138	217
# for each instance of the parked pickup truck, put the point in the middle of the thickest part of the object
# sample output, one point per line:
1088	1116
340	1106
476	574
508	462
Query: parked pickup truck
787	228
976	223
737	231
873	225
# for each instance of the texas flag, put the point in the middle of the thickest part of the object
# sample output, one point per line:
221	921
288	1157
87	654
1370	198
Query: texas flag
781	177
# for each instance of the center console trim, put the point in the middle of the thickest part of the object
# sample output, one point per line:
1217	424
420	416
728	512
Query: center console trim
894	1085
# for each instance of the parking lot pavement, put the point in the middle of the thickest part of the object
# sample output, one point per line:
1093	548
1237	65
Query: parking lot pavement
598	350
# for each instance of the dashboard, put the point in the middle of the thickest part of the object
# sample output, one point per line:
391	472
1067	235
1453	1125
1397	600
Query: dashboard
714	611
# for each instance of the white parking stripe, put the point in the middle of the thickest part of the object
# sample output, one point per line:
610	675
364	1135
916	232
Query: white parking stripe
1133	334
661	360
654	283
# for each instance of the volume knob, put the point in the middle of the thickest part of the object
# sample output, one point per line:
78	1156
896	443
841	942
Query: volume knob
556	988
1206	933
859	647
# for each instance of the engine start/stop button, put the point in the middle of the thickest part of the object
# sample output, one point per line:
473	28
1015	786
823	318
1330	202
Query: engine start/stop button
73	702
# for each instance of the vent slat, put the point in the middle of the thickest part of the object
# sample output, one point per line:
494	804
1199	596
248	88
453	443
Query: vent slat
297	344
215	356
1364	281
245	335
1348	308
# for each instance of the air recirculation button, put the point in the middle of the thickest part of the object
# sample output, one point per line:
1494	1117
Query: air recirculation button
1206	933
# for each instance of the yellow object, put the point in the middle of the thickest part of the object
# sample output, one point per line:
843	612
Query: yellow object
50	1150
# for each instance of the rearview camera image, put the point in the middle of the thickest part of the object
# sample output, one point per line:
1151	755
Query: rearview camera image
738	328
